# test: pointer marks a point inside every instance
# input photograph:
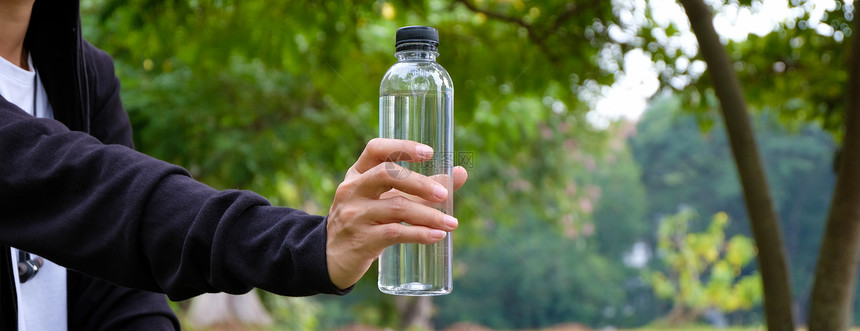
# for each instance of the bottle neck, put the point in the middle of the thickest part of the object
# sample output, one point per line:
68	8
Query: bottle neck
414	55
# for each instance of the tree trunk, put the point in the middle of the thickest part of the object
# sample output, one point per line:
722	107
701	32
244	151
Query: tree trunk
415	312
836	272
763	219
226	310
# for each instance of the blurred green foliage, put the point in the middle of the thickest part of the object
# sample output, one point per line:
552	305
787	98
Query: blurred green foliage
529	273
294	313
796	73
704	269
265	96
280	98
683	166
525	279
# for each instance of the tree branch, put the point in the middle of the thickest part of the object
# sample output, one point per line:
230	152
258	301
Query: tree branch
537	38
763	218
570	9
836	273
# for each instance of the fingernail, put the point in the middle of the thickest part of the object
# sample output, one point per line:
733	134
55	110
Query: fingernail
450	222
437	234
424	151
440	192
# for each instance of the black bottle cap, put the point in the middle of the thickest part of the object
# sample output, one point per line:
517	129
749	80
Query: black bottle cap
416	38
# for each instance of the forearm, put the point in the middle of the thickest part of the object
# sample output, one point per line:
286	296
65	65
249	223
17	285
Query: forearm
246	243
140	222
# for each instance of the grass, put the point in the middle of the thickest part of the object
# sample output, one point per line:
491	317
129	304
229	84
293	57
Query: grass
709	328
700	328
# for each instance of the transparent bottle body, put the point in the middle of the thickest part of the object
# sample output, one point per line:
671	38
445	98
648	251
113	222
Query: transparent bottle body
416	103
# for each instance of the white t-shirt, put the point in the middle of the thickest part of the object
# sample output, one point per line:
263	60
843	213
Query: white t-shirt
42	299
16	86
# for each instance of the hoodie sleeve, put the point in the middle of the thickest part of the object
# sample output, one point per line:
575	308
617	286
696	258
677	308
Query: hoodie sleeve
95	304
122	216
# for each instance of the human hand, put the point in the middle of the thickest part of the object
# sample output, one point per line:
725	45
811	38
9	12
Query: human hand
367	210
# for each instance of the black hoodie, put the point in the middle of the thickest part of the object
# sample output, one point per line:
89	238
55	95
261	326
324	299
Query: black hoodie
74	191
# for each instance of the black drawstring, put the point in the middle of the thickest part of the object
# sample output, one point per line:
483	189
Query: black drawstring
35	89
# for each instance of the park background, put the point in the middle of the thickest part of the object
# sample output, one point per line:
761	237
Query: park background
574	215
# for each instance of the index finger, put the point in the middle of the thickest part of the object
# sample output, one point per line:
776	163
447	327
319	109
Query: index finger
380	150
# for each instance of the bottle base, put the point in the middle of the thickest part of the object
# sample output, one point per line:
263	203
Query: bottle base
415	289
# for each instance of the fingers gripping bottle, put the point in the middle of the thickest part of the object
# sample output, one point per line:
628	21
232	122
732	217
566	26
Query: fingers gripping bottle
416	102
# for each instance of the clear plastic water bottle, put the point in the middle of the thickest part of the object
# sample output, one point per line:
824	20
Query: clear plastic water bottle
416	102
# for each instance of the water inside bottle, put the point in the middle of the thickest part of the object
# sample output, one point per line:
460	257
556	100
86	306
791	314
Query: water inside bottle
416	269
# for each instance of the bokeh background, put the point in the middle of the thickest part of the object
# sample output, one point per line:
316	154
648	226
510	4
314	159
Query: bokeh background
602	190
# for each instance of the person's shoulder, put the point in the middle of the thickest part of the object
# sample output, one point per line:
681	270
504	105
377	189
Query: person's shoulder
108	119
98	61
